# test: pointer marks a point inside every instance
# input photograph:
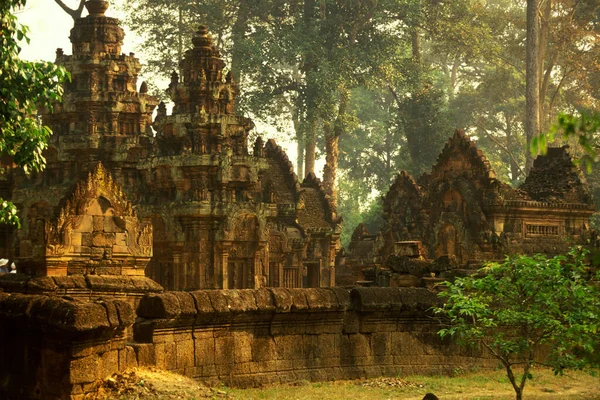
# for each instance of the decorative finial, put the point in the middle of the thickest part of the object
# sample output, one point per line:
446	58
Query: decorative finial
144	88
96	8
202	38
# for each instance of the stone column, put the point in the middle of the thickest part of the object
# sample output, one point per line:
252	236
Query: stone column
224	260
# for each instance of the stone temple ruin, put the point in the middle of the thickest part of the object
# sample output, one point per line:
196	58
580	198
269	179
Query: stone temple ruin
216	215
460	215
128	207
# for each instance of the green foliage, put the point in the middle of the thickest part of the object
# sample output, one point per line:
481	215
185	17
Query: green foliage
583	128
24	86
525	307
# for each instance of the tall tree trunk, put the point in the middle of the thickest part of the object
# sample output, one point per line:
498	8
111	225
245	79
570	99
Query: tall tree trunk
180	39
238	32
310	150
310	137
299	129
544	69
532	77
514	167
332	140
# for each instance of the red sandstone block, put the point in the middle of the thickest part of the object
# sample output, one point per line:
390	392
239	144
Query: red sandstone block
187	304
145	354
185	354
243	343
289	347
218	301
224	351
264	300
282	299
170	356
263	349
299	302
164	305
84	370
127	358
85	349
327	345
202	302
109	364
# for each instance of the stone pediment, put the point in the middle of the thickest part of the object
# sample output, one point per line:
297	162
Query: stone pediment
461	156
98	231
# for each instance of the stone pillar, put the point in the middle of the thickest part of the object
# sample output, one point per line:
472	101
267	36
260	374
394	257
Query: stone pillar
224	260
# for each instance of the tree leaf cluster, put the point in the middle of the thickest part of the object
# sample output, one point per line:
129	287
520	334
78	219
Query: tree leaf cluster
24	86
528	311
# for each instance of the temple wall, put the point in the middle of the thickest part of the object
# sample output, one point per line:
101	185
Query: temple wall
53	348
252	337
62	348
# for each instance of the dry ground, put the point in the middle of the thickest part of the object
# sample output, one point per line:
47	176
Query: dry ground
154	384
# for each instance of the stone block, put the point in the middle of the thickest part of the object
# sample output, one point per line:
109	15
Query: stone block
204	351
86	225
76	239
127	358
185	353
282	299
327	345
202	301
87	239
85	369
121	239
381	343
87	349
103	239
187	304
120	249
98	223
405	280
263	349
299	302
218	301
321	299
289	347
243	346
170	359
97	252
224	351
111	226
109	364
145	354
165	305
264	300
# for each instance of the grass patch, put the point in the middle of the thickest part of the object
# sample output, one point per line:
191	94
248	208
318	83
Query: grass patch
491	385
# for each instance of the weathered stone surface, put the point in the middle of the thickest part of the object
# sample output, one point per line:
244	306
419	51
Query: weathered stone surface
218	212
461	213
165	305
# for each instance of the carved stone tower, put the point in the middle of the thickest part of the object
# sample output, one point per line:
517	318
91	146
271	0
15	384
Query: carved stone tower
103	117
221	217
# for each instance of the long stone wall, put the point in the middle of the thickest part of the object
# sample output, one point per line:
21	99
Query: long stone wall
57	347
251	337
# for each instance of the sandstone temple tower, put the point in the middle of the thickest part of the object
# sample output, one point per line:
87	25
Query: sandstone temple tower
221	216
